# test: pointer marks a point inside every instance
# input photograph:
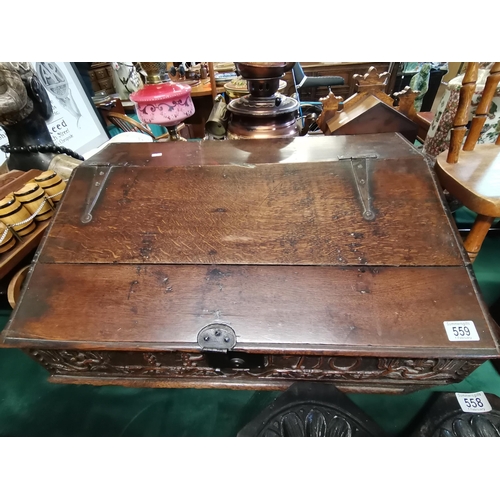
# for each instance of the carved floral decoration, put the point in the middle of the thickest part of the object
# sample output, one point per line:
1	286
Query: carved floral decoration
315	423
293	367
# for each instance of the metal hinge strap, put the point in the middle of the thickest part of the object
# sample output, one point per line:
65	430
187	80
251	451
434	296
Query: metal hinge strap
359	166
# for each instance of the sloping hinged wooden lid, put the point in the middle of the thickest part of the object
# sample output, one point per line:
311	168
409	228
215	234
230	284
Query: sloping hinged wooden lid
314	244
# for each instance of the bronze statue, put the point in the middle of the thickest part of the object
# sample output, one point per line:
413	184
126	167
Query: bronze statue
24	108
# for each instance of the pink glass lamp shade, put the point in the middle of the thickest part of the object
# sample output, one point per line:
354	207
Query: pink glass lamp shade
167	104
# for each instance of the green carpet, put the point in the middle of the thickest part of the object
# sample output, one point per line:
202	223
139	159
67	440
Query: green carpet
30	406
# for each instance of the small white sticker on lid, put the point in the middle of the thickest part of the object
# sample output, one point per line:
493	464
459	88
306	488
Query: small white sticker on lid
473	402
461	331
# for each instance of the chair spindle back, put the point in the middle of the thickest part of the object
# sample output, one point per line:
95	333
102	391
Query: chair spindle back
461	119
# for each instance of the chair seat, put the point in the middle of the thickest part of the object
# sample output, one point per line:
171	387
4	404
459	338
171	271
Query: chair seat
475	179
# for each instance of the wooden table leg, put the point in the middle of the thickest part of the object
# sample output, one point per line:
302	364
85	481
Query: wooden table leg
477	234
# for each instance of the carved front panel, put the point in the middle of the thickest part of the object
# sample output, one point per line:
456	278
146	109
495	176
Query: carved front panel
185	365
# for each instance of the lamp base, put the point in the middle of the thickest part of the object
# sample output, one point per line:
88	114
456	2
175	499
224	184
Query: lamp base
174	133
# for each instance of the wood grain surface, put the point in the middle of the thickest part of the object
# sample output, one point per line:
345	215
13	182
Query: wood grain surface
251	152
269	214
271	308
267	236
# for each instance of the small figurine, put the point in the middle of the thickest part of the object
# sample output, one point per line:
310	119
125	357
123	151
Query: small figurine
177	74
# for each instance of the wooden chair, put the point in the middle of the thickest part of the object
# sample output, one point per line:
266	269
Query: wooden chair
473	174
127	124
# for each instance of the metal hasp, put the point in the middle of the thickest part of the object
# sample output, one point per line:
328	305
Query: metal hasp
101	173
216	341
359	165
217	337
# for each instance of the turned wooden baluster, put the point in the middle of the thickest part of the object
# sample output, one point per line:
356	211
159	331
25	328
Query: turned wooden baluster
462	116
483	108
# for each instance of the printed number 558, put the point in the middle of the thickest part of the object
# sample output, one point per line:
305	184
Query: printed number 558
473	402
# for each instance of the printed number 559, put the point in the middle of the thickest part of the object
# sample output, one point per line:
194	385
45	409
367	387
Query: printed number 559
460	331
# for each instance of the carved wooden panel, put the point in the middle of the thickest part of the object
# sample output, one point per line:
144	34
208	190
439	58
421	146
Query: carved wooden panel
190	365
311	410
445	418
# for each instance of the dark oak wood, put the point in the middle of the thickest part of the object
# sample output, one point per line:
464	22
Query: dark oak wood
270	214
300	309
248	152
190	370
267	237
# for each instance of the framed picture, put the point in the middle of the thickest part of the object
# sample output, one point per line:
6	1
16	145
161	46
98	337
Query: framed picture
75	122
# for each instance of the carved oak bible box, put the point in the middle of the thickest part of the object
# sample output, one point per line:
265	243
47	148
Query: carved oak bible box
254	264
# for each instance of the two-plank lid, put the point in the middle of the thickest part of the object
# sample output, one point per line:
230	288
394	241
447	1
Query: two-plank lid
331	244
